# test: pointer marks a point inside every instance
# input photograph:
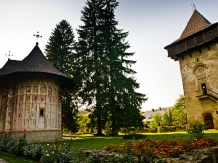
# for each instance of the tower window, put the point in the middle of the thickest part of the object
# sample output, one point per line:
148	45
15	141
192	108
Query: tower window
204	89
197	60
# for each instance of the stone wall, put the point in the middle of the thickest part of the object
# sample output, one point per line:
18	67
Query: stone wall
37	136
199	67
205	155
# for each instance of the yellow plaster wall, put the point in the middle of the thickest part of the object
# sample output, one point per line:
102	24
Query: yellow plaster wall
197	67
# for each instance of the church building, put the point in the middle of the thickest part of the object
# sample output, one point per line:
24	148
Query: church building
30	97
197	53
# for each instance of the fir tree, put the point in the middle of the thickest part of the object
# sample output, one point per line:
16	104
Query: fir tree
125	102
59	51
106	82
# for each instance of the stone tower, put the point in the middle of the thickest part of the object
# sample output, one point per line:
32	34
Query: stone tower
30	92
197	53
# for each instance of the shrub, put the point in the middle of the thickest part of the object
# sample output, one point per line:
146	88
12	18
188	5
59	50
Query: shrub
159	129
196	129
134	136
153	130
33	151
148	150
6	143
19	145
99	156
52	153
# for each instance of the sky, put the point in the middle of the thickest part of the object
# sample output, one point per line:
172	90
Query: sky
152	24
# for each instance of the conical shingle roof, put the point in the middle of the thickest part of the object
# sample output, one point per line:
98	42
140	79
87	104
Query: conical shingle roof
35	62
9	65
196	23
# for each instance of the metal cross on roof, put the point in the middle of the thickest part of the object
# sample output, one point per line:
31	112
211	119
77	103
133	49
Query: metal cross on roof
193	6
9	55
37	37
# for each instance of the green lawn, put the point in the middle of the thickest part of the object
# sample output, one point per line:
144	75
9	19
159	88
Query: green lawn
13	159
88	141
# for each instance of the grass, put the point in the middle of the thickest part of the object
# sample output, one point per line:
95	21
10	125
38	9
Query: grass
12	158
88	141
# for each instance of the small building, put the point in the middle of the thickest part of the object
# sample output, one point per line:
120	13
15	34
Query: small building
150	113
30	97
197	53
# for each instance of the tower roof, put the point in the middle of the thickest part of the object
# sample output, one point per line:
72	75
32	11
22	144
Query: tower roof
197	32
196	23
35	62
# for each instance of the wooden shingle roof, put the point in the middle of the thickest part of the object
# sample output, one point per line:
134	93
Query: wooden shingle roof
9	65
196	23
35	62
198	32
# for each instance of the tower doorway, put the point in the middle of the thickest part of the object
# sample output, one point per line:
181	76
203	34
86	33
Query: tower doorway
208	119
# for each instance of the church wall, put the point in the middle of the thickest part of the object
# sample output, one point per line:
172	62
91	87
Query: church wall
200	67
38	135
3	106
37	104
31	103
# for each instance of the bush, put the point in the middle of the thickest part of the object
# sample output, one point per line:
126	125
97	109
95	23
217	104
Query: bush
33	151
6	143
52	153
134	136
19	145
196	129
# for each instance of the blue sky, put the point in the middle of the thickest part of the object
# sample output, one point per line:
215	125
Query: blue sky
152	24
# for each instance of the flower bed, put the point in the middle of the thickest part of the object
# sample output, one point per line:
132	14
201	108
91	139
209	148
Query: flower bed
149	150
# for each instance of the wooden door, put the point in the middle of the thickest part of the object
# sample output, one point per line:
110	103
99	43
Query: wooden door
208	119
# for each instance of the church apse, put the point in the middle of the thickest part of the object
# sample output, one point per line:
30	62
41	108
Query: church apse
37	104
30	98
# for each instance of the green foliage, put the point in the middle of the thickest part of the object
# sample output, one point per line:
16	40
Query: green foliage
106	83
59	51
179	112
175	116
98	156
134	136
19	145
157	118
52	153
168	118
159	129
6	143
33	151
196	129
84	122
59	47
69	113
37	152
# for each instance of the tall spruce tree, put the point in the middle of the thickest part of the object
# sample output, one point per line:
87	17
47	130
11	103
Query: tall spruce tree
59	51
125	102
105	71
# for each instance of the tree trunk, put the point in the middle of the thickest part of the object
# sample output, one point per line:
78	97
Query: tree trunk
114	129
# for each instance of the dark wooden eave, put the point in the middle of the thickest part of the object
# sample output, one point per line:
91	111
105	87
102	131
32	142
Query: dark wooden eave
194	41
199	31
